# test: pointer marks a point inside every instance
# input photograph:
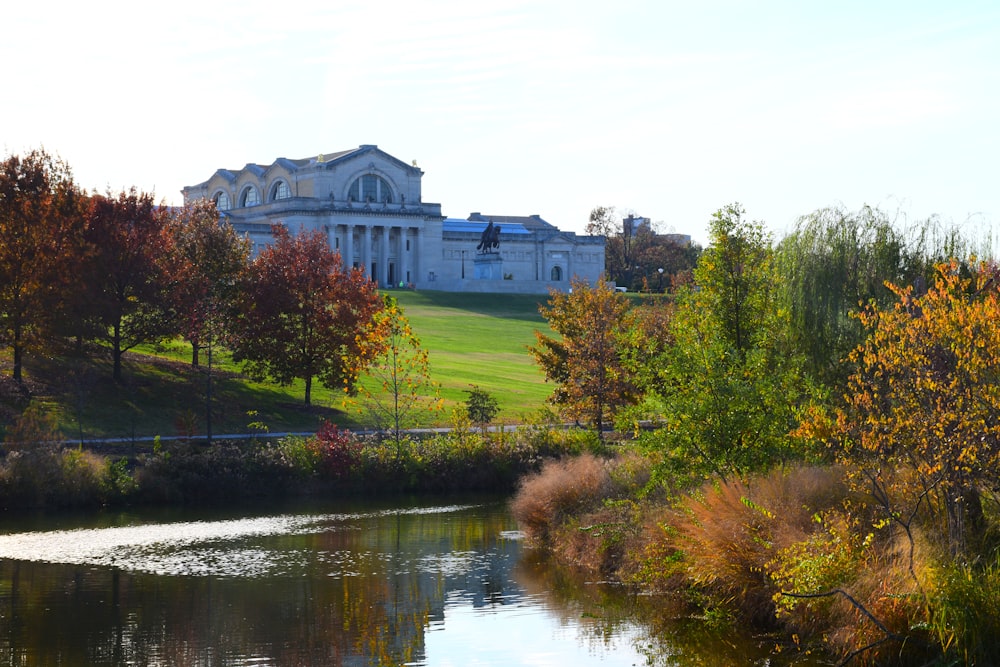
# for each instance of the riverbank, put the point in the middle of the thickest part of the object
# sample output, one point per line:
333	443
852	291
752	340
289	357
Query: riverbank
332	462
794	552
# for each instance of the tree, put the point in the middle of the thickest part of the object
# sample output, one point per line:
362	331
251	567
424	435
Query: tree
36	214
207	261
481	407
635	255
925	398
730	388
300	315
128	237
391	356
833	264
586	362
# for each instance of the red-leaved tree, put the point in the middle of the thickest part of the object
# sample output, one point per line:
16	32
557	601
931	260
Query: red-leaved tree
207	261
37	204
300	315
129	297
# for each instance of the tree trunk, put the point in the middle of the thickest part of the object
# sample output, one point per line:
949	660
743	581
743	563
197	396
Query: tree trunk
194	354
18	354
116	352
308	379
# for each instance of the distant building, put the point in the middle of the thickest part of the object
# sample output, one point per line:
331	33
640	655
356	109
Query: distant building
369	204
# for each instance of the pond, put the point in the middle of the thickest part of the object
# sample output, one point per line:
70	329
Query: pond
412	583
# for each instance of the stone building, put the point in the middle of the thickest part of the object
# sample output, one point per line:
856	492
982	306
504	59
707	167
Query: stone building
369	204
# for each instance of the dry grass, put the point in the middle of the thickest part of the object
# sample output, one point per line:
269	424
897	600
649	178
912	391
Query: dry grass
561	489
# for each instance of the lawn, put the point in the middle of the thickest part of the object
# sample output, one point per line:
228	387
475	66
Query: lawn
471	339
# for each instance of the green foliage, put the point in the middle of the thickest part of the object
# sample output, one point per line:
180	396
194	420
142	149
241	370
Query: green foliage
965	618
481	407
729	386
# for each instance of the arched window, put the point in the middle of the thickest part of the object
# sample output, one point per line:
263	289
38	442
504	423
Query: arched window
280	190
249	196
370	188
556	274
221	200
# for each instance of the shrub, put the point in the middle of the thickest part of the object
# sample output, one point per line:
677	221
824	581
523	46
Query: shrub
560	489
339	452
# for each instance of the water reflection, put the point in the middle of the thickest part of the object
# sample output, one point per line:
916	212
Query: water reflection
423	585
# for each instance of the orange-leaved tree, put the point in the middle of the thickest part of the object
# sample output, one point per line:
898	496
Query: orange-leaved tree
38	202
587	361
924	398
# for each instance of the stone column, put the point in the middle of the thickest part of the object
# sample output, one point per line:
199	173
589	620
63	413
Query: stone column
348	251
404	235
383	259
366	251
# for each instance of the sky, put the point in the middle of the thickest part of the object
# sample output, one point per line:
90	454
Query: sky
668	110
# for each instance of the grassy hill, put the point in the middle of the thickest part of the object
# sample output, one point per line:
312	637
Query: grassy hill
471	339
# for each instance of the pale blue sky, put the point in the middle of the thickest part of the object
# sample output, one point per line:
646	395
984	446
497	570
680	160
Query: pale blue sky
669	110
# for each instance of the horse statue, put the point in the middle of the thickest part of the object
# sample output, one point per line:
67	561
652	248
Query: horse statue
490	238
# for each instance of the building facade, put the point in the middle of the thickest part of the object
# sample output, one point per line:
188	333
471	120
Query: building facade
370	207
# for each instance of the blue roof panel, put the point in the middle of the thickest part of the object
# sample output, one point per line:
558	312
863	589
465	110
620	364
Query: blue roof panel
460	225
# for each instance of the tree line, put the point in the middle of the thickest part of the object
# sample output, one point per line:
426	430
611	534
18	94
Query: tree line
825	423
844	332
117	270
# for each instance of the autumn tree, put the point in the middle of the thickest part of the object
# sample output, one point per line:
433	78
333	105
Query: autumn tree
586	361
207	260
129	288
636	256
397	367
37	215
925	398
300	315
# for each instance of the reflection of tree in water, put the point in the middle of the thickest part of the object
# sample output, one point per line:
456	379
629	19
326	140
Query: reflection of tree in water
665	630
360	594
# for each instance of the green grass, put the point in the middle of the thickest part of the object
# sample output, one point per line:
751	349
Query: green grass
471	339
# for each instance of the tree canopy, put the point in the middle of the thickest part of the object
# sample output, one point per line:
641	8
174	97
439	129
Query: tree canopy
300	315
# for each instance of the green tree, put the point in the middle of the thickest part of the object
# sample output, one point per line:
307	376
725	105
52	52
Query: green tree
390	354
832	265
300	315
481	407
586	362
730	388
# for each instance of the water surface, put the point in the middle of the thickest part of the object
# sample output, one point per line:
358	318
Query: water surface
422	583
